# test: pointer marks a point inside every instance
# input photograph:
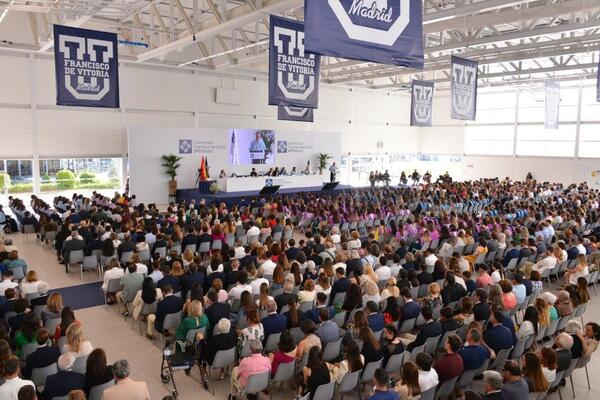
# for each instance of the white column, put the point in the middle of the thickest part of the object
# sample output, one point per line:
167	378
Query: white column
125	140
35	164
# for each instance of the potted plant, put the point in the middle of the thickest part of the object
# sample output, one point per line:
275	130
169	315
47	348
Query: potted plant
171	164
323	161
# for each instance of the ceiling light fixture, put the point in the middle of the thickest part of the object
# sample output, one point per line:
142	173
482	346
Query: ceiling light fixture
3	15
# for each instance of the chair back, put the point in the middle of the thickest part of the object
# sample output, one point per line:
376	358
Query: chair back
60	343
431	344
429	394
349	382
306	306
415	351
332	350
90	262
407	325
172	321
61	397
217	244
96	391
395	363
114	285
79	364
258	382
556	381
148	309
18	274
284	372
297	334
445	389
191	335
38	375
501	357
369	371
520	348
224	358
466	378
76	256
339	298
339	318
30	228
325	392
28	349
272	342
144	255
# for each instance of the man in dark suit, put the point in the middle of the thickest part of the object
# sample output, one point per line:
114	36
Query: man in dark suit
65	380
204	236
43	356
169	280
514	252
375	318
481	309
430	329
321	303
448	323
292	251
215	310
168	305
424	278
94	244
354	265
9	305
411	309
274	322
452	291
341	285
498	337
188	280
190	239
232	275
73	244
127	245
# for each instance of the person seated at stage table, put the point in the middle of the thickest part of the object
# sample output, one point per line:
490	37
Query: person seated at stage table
253	173
275	172
282	171
222	174
293	171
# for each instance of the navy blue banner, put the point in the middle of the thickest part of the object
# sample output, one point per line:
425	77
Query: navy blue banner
464	88
292	113
382	31
551	105
421	104
293	72
87	67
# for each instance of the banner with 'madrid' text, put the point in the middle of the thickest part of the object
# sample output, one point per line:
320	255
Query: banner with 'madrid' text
382	31
293	72
87	67
421	105
292	113
464	88
551	105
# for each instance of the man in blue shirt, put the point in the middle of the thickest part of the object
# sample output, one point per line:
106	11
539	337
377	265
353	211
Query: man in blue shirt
498	337
375	318
381	382
519	288
473	353
328	330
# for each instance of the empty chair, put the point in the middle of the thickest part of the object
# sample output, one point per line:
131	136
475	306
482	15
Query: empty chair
332	350
223	359
284	373
90	263
171	321
75	257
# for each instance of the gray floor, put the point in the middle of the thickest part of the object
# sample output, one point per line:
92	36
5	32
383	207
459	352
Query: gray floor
106	329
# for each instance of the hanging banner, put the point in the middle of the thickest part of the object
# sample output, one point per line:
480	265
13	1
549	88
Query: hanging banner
292	113
464	88
421	103
598	81
293	72
382	31
552	105
87	67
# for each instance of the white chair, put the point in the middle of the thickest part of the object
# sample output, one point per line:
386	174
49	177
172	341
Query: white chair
126	256
79	364
284	373
75	257
350	382
445	389
325	392
90	263
369	371
272	342
395	363
332	350
171	321
39	375
223	359
96	391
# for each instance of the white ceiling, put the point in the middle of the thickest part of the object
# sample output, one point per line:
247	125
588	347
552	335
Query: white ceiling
517	42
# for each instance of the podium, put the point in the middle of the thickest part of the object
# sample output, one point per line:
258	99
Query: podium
204	186
257	156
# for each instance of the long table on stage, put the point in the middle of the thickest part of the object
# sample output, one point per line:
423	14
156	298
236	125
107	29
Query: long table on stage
249	184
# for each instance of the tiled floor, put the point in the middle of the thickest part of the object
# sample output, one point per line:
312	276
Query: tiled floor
106	329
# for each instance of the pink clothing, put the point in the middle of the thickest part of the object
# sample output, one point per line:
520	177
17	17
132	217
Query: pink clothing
484	280
509	301
254	364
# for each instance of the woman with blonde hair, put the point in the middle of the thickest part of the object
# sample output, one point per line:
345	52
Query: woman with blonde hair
217	286
76	345
580	270
308	293
391	290
433	299
264	297
368	274
543	312
188	257
177	269
355	243
30	284
371	293
196	319
323	284
533	374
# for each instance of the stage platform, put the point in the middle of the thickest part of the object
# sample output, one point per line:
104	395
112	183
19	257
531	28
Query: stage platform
232	198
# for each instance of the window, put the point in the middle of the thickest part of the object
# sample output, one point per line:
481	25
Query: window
20	173
534	140
489	140
589	140
80	173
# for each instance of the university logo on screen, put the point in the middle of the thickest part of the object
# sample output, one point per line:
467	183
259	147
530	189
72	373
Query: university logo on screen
422	103
86	66
295	68
374	21
463	81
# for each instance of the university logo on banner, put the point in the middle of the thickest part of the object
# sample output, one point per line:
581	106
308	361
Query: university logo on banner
382	31
292	113
552	105
293	72
464	88
421	105
87	67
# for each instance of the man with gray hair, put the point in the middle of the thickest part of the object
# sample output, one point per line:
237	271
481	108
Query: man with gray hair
288	289
254	364
125	387
562	344
65	380
493	386
273	323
